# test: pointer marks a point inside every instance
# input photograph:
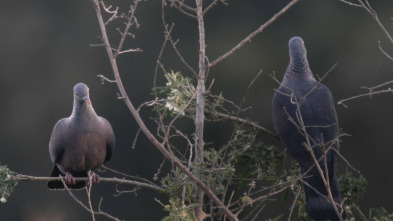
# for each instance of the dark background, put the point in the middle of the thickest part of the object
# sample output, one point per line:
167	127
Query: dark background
44	51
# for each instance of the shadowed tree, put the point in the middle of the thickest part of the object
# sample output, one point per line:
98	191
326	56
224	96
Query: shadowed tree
205	181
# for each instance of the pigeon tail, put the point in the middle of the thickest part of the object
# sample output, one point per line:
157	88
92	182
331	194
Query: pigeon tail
318	207
58	185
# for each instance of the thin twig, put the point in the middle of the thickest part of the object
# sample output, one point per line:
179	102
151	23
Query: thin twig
126	30
389	90
124	175
103	79
213	4
180	8
351	4
169	37
89	194
371	89
183	5
141	123
294	203
367	7
135	138
249	123
383	51
253	34
84	206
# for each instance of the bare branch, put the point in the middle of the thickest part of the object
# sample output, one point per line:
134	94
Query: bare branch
389	90
252	35
129	51
293	204
168	37
97	45
127	175
84	206
114	12
181	6
89	194
136	138
249	123
142	125
129	23
200	110
383	51
21	177
103	79
367	7
213	4
351	4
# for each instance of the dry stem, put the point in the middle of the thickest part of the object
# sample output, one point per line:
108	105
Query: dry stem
142	125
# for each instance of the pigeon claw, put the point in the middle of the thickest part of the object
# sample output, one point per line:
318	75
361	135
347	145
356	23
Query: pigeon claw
95	179
69	179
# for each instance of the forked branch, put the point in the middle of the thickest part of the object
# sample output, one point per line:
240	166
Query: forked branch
141	123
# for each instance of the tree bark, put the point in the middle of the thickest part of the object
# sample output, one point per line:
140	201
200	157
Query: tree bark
200	108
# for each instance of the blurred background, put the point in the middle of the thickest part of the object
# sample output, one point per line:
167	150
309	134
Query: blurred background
45	51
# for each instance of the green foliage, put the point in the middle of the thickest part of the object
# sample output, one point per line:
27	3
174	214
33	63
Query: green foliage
277	218
245	159
380	215
174	184
215	171
178	92
260	161
352	188
301	208
7	183
179	213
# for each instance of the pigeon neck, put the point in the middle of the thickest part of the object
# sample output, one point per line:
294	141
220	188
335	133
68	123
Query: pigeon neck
299	68
83	110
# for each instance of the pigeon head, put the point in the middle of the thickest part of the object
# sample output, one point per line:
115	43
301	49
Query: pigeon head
297	50
81	93
298	67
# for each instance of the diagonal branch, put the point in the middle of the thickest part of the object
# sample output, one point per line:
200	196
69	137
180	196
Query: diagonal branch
213	4
383	51
252	35
168	37
142	125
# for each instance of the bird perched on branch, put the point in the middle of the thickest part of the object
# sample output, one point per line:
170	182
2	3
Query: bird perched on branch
306	122
80	143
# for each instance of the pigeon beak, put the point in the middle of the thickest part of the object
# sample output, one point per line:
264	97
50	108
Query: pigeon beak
87	99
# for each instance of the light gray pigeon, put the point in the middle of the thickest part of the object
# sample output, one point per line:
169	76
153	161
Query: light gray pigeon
320	119
80	143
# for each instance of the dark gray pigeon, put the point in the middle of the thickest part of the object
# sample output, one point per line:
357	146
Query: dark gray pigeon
320	119
80	143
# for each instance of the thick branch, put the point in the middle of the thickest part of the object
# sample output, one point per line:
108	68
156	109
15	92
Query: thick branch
21	177
256	32
200	106
142	125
